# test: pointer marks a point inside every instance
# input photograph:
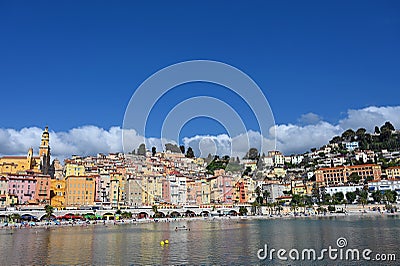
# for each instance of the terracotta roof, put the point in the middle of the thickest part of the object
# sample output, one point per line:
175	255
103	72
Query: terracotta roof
14	157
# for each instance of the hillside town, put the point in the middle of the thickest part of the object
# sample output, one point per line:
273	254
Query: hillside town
350	169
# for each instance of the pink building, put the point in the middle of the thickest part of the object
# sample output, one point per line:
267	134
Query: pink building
97	193
23	187
166	192
221	189
194	192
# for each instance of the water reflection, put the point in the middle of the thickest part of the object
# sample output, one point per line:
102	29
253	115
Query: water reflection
207	242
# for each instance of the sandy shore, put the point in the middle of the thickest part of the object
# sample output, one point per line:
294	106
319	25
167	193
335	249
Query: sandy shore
52	224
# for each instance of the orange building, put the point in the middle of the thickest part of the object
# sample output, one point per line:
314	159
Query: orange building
42	191
339	175
57	194
80	191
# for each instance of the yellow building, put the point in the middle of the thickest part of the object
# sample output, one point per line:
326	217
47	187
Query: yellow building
57	194
80	191
117	188
6	200
298	187
74	170
152	190
38	164
199	161
393	172
205	192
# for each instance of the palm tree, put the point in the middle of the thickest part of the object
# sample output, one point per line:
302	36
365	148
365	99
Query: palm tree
242	210
266	195
15	217
49	211
270	207
155	210
390	196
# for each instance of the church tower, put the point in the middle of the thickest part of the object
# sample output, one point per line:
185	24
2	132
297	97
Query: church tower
29	158
44	152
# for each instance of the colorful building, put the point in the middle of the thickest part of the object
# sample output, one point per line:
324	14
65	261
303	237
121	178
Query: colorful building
71	169
57	194
221	189
393	172
339	175
80	191
42	192
23	187
133	190
37	164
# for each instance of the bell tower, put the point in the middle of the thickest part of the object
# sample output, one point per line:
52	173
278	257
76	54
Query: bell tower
44	151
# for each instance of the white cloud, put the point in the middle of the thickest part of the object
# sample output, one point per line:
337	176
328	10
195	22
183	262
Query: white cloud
370	117
309	119
90	140
298	139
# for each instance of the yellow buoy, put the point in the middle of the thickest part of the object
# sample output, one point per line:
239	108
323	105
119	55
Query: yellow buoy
162	243
166	241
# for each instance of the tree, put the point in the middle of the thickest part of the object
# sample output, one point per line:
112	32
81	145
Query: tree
351	197
242	210
15	217
252	154
49	211
377	131
377	196
266	195
141	150
335	139
126	215
331	208
155	210
360	133
259	199
390	196
387	127
354	178
327	198
296	199
258	193
190	153
172	148
339	197
182	148
362	197
247	171
153	151
348	134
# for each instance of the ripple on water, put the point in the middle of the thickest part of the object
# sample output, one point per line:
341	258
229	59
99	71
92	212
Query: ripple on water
208	242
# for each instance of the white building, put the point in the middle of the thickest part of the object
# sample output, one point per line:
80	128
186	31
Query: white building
178	190
351	146
385	185
296	159
268	161
343	189
275	191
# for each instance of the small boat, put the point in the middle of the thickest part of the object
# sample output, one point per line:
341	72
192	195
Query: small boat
182	228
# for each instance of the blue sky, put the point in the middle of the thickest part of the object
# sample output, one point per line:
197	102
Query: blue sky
72	64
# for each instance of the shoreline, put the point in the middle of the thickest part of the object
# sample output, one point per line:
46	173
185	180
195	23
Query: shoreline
107	223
